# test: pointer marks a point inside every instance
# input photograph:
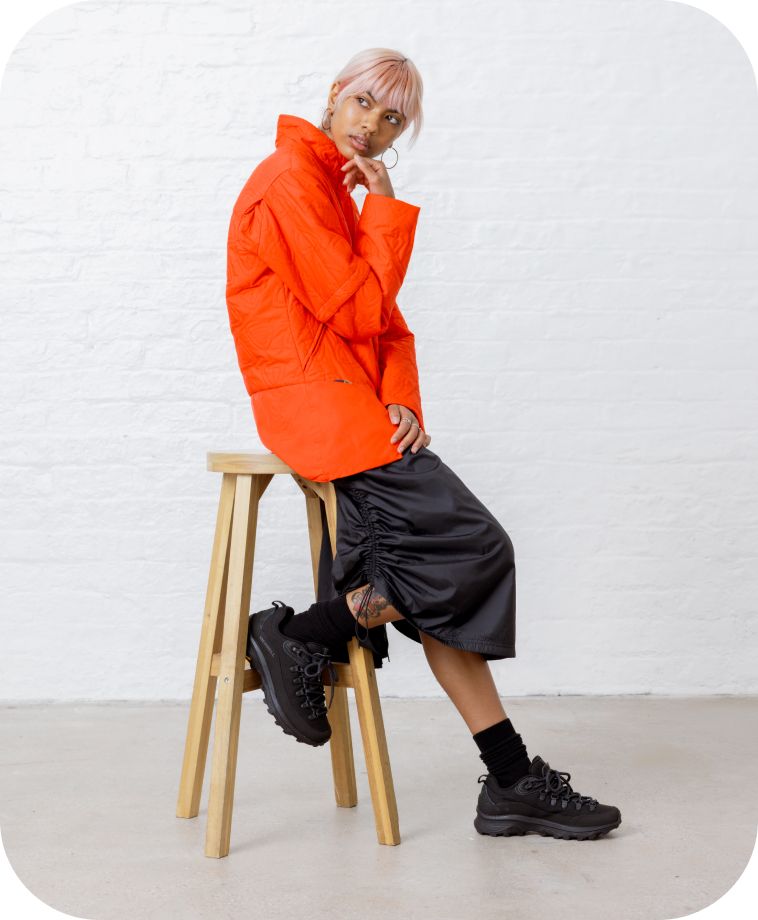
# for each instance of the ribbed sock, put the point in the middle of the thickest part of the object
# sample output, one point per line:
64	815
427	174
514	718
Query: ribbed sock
329	622
503	752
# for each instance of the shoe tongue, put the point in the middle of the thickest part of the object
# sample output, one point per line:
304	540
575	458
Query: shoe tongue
536	766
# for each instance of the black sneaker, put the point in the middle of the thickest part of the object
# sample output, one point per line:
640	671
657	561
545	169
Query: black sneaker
541	801
290	672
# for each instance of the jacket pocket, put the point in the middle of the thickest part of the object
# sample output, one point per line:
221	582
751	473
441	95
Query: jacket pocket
314	345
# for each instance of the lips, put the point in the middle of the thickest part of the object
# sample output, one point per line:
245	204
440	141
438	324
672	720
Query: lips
358	144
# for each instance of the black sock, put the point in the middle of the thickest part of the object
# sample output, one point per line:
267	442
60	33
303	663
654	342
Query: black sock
329	622
503	752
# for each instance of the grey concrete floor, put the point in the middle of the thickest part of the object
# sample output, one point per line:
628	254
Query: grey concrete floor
89	793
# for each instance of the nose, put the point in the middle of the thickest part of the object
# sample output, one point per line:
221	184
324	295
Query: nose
370	124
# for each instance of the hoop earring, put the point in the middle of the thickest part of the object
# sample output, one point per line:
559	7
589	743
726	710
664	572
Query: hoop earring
397	157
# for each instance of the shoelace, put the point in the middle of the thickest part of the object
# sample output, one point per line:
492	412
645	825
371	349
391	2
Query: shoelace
309	677
556	783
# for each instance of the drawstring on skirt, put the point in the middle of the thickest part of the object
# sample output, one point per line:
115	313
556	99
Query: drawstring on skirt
368	573
415	533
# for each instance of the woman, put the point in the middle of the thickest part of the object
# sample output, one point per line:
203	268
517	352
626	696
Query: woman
330	365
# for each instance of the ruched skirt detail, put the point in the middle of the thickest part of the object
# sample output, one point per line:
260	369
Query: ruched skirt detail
417	534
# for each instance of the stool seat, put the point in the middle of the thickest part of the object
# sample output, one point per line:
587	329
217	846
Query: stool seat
250	462
222	663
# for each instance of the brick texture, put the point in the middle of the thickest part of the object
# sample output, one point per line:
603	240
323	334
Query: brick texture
583	294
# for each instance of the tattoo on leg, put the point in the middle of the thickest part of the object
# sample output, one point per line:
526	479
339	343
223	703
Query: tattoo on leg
376	605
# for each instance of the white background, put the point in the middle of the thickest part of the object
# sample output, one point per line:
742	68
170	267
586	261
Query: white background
582	290
43	605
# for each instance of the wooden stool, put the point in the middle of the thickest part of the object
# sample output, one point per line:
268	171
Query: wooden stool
221	658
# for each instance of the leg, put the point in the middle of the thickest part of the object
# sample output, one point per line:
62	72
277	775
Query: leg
464	676
467	680
379	608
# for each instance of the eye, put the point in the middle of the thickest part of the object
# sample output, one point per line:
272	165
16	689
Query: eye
395	119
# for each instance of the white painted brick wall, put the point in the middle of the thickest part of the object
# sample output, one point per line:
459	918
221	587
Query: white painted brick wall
583	292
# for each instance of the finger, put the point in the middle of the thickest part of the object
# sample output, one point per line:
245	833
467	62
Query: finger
419	442
368	162
409	438
353	175
352	182
365	164
402	429
350	168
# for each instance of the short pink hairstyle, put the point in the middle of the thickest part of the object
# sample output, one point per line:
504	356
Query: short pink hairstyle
391	78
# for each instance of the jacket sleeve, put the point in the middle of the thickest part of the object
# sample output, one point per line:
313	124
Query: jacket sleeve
397	365
297	230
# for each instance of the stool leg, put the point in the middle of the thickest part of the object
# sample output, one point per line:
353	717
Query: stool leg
341	742
374	744
204	688
370	718
232	665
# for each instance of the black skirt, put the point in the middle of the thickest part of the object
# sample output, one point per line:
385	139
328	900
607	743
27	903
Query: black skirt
417	534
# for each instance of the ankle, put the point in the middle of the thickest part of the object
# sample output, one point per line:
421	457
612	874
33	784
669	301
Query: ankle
329	622
503	752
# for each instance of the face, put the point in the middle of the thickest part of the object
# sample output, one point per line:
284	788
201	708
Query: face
359	115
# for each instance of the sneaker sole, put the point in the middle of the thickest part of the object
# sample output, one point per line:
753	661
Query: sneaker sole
258	661
524	824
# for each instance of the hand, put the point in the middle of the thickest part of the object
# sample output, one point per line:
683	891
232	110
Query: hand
366	171
353	176
409	432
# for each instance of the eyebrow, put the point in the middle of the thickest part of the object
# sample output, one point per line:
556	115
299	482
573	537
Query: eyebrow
389	110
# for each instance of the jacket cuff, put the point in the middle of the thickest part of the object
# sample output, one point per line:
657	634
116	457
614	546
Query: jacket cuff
384	212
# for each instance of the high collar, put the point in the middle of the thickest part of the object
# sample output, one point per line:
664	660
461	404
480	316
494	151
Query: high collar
293	129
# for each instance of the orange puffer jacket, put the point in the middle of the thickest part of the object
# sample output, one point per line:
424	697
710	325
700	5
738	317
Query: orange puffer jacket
311	287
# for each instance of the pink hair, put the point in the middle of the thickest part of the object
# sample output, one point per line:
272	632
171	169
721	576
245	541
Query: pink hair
391	78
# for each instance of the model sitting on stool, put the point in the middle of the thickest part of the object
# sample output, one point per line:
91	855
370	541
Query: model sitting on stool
330	365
